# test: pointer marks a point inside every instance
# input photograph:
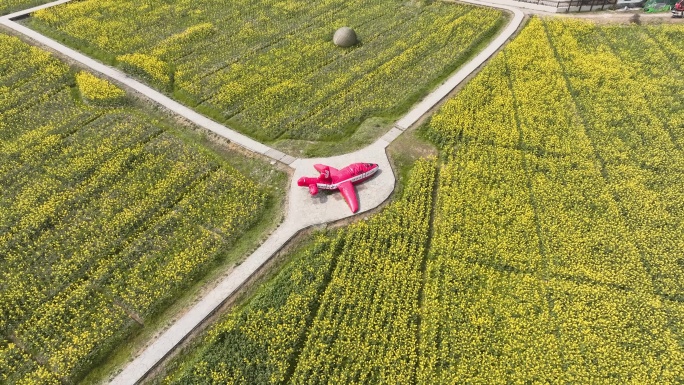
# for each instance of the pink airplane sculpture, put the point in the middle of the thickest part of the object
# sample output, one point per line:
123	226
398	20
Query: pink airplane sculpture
343	180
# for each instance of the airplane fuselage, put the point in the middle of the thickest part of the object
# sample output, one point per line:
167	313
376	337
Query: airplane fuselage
356	178
331	178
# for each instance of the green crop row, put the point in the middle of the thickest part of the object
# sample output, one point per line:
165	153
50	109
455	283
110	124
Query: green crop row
336	314
106	215
9	6
553	257
269	68
551	253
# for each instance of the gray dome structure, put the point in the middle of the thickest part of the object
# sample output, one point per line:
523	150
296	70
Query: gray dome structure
345	37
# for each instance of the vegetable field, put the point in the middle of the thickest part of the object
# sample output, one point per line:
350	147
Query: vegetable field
333	309
9	6
268	68
556	255
105	216
550	254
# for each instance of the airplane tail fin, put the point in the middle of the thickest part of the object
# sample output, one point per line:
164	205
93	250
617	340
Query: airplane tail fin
313	189
303	181
310	182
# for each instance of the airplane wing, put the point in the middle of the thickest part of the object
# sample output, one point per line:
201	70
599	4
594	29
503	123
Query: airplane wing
321	168
349	194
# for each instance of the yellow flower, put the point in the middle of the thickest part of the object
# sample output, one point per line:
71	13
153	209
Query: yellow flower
98	91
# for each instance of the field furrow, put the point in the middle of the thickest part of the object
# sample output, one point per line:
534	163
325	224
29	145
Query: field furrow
108	214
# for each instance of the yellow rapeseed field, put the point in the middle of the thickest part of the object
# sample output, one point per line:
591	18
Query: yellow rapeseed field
551	252
105	216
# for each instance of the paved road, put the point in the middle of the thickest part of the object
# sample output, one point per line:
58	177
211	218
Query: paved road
303	210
